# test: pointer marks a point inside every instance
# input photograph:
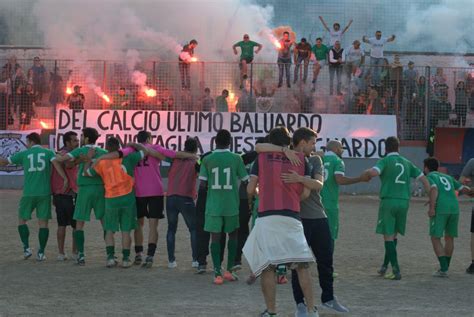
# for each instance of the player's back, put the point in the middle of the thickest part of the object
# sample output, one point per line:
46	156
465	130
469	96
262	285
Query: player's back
117	182
395	174
81	179
446	201
36	162
274	195
332	165
182	178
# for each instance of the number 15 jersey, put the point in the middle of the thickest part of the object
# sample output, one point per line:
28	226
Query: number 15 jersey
222	170
395	174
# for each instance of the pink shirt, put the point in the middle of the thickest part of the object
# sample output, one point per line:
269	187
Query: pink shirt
57	180
148	180
182	178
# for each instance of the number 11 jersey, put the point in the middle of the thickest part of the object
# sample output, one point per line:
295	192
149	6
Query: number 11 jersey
395	174
223	170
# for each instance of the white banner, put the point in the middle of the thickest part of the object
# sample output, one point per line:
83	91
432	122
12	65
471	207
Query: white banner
12	142
362	136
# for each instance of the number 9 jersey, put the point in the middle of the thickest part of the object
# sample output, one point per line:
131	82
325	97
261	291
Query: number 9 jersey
447	202
395	173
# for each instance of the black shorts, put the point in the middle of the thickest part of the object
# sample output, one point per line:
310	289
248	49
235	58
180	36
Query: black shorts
247	59
150	207
472	220
64	210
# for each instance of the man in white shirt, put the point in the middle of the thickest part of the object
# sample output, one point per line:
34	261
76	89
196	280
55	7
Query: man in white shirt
336	62
336	33
376	54
354	60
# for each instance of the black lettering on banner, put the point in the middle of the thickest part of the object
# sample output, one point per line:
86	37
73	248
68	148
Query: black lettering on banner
249	143
256	120
382	152
280	121
134	124
236	144
99	120
153	121
205	116
212	143
189	116
125	121
64	119
180	127
248	124
346	146
77	116
373	150
267	124
356	145
303	121
218	121
170	143
316	122
171	124
199	145
235	125
116	121
290	121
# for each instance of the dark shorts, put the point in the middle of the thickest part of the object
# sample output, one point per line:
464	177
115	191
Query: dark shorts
472	220
64	210
150	207
247	59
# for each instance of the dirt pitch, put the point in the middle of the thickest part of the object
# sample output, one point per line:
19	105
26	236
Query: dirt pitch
53	288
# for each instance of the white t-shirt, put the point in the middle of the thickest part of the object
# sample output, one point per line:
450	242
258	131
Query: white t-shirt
354	55
376	49
335	36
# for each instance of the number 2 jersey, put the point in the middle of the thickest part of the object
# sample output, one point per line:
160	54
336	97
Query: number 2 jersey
395	174
222	170
447	202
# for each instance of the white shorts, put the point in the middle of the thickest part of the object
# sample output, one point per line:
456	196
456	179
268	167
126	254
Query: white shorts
276	240
321	63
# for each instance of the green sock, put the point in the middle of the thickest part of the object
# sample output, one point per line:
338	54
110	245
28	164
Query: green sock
216	257
110	252
443	262
386	259
231	252
448	259
79	236
126	254
43	235
24	235
392	255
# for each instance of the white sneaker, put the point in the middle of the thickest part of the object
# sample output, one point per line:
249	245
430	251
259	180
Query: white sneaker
62	257
111	263
126	263
75	256
172	265
27	253
301	310
40	257
195	264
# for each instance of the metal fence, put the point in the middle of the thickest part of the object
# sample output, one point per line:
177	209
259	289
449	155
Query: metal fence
421	97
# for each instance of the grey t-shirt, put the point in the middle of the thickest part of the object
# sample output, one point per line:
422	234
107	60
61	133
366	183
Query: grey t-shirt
312	207
468	170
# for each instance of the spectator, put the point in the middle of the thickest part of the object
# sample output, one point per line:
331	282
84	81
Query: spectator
354	60
246	102
440	110
302	53
10	68
167	101
39	73
361	104
336	62
57	89
376	54
76	100
439	82
246	55
207	102
396	83
27	104
18	82
185	59
410	76
374	106
336	33
284	59
320	52
221	102
121	100
461	103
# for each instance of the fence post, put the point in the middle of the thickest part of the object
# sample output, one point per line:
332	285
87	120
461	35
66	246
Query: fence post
251	81
104	83
55	104
427	101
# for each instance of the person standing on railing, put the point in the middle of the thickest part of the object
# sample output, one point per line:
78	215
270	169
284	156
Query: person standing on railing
320	52
354	60
336	33
246	55
185	59
336	61
302	53
376	54
284	59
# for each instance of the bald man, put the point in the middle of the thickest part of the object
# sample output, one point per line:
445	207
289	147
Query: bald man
334	175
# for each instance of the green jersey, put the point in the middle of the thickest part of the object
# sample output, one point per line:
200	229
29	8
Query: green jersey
395	173
128	163
321	52
81	179
222	170
246	48
333	165
36	162
447	202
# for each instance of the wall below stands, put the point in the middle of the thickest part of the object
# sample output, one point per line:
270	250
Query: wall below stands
414	152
